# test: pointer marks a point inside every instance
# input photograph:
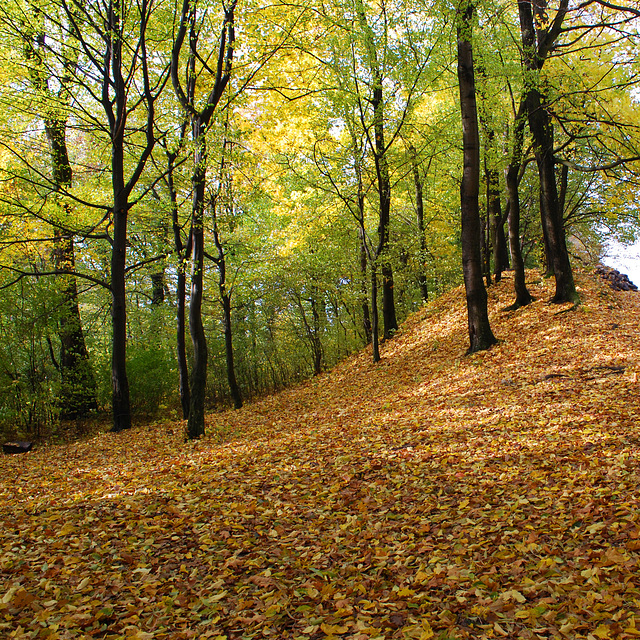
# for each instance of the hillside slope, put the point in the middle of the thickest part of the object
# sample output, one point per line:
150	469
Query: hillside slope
429	496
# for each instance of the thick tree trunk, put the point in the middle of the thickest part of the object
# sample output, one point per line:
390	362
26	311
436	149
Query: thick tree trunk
552	220
78	392
537	40
119	380
480	334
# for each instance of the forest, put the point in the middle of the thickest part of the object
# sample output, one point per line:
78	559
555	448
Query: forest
205	202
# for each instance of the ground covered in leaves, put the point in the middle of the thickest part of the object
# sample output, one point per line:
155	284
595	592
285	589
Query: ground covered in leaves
429	496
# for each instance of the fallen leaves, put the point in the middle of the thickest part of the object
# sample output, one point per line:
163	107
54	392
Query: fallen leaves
430	496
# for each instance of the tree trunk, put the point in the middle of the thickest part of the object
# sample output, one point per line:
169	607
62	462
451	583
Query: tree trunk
366	317
422	278
496	222
234	387
480	334
523	297
78	392
382	175
537	40
315	336
119	380
388	305
390	322
199	123
375	345
181	343
198	378
225	296
182	253
552	221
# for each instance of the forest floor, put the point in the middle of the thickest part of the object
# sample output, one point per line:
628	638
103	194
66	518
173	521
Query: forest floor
432	495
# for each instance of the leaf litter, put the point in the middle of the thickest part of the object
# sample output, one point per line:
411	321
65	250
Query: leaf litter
432	495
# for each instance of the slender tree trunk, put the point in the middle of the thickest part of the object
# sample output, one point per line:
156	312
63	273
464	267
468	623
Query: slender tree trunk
523	297
497	235
225	296
181	343
422	278
390	321
366	317
375	344
480	334
316	342
198	378
181	293
234	387
200	120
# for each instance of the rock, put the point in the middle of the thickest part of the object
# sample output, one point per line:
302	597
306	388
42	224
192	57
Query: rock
17	447
617	281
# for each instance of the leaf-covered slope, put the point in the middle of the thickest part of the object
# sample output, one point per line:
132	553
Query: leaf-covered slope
430	495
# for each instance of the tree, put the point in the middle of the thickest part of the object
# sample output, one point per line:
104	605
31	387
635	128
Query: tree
78	386
200	117
480	334
539	34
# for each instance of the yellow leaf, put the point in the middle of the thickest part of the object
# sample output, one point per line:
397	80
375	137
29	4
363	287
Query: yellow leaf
427	631
332	629
83	584
67	529
517	596
273	610
405	593
218	596
594	528
421	576
602	632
